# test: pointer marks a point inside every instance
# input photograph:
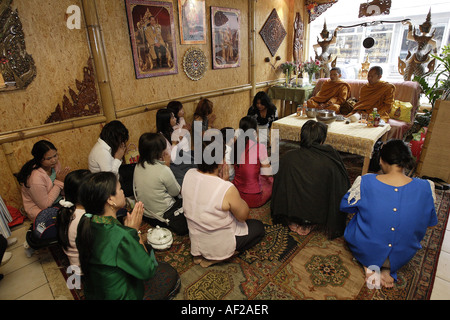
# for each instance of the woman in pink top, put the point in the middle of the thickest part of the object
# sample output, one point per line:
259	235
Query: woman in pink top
217	216
69	215
253	173
41	179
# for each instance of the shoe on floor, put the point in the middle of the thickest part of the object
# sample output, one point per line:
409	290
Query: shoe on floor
6	257
12	241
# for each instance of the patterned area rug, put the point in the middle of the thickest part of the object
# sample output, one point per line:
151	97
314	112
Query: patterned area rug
287	266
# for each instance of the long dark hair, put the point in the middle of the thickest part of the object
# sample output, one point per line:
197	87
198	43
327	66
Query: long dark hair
40	148
204	108
93	195
397	152
114	133
163	123
246	123
72	183
264	100
175	107
151	147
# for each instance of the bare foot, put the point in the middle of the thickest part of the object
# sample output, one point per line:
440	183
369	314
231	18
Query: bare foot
303	231
205	263
386	279
293	227
198	259
372	280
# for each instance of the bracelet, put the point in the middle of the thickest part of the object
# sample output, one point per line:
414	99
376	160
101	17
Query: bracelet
139	232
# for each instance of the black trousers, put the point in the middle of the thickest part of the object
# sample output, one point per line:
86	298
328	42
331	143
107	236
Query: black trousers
3	246
255	234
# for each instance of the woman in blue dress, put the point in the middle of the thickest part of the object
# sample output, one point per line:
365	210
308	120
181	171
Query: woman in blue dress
392	213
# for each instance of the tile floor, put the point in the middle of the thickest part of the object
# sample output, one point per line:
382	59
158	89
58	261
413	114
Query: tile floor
28	278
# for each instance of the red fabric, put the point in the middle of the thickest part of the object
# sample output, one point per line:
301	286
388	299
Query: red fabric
255	200
16	215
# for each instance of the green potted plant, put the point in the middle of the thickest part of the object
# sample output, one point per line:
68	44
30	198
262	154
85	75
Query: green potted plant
440	89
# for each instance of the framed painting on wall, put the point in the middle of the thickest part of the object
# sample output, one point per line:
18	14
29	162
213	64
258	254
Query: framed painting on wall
152	36
192	18
226	48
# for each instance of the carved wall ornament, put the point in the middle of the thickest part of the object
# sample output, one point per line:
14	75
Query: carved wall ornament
375	8
16	65
298	38
84	103
316	8
194	63
273	32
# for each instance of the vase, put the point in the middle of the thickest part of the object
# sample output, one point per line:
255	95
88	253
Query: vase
310	77
288	78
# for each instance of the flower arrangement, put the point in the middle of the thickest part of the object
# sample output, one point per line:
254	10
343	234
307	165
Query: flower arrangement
311	67
288	67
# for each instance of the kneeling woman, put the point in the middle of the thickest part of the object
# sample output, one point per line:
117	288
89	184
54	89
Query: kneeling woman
114	260
392	213
156	187
217	216
310	184
253	172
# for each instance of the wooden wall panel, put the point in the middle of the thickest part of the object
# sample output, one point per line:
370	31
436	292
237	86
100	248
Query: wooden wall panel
59	55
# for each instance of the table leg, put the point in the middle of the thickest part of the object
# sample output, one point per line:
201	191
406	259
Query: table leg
365	168
283	108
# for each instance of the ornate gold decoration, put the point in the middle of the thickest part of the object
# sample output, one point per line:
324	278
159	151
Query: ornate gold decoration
298	38
194	63
316	8
325	58
414	64
85	103
16	65
375	8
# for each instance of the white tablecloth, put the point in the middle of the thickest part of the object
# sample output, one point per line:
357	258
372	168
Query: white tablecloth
353	138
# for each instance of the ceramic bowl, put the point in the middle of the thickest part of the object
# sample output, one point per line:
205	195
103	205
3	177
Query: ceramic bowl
159	238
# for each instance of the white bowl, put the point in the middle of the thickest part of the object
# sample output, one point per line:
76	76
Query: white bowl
159	238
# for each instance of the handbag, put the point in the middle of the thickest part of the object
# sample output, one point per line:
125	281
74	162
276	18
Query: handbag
132	155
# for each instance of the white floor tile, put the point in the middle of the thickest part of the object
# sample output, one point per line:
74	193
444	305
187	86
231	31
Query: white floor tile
446	242
22	281
443	269
441	290
41	293
18	260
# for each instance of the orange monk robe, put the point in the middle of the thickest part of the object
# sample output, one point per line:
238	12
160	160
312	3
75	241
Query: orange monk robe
379	95
334	92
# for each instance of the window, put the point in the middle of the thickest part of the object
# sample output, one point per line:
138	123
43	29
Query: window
390	38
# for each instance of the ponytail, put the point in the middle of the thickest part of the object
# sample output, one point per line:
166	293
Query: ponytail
72	183
93	194
84	242
38	152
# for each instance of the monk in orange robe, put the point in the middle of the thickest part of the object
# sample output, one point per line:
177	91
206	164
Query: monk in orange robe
375	94
333	93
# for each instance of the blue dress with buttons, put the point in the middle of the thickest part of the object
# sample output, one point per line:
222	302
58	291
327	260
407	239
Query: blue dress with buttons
389	222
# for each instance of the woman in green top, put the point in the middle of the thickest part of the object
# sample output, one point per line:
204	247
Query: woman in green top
114	260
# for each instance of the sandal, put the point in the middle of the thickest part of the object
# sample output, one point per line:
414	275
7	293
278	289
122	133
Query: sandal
438	183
